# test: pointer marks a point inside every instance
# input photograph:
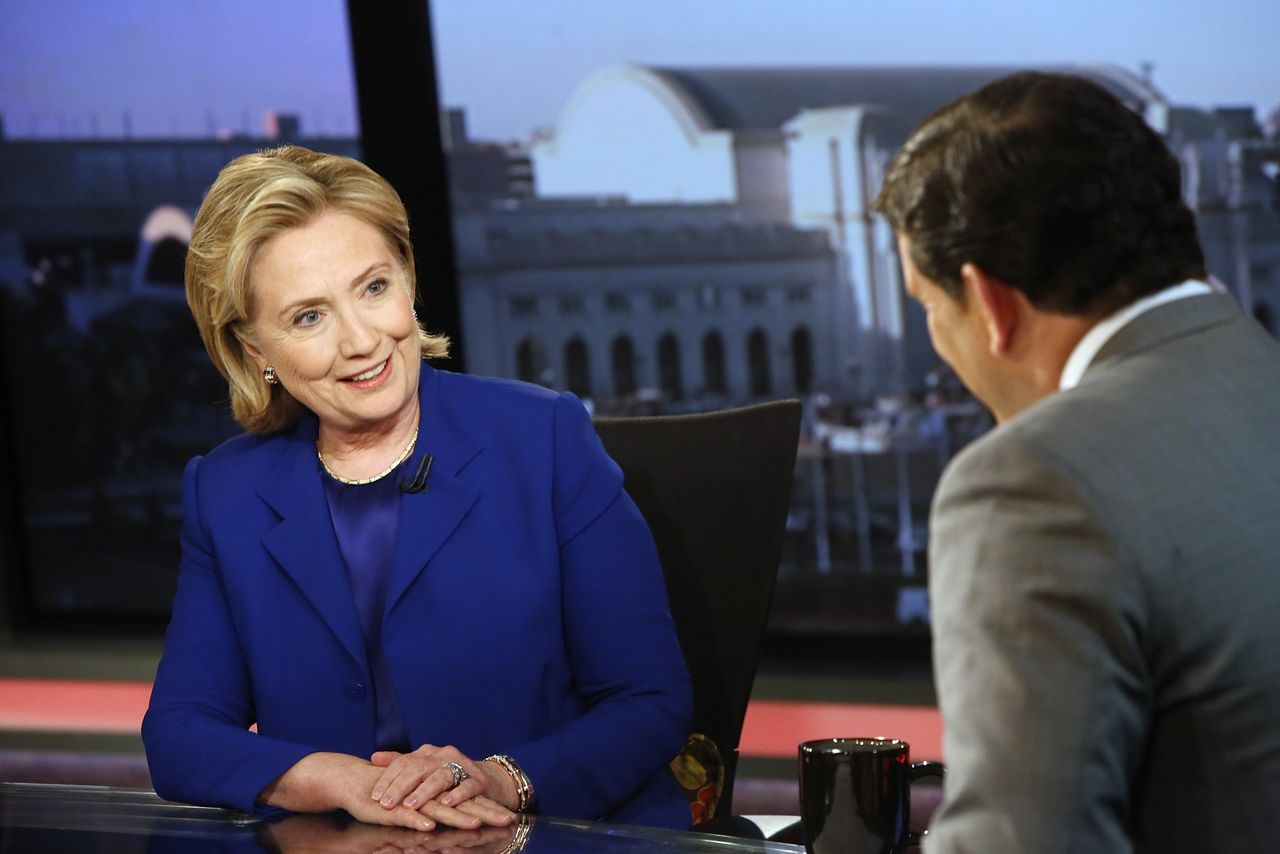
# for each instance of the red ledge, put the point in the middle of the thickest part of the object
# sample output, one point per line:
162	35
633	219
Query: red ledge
772	729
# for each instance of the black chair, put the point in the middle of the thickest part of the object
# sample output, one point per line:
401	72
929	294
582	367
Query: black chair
714	488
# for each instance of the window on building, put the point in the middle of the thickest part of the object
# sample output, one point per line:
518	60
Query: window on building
713	377
617	302
622	358
798	294
570	305
531	360
669	367
523	306
758	368
663	300
1263	314
708	297
802	359
577	367
753	297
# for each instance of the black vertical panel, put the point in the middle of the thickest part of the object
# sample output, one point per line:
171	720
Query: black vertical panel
400	136
13	596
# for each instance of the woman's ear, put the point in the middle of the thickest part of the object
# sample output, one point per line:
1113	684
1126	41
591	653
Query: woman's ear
1000	306
246	341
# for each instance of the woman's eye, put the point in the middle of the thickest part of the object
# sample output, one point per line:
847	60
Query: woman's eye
377	286
310	317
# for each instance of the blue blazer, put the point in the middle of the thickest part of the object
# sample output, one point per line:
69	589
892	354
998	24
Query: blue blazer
526	614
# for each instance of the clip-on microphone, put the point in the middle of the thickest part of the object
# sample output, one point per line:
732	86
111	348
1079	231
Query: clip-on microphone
418	483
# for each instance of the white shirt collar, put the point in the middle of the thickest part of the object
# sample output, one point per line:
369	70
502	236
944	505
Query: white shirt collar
1094	340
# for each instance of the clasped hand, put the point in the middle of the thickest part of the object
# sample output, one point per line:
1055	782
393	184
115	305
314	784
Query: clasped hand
423	781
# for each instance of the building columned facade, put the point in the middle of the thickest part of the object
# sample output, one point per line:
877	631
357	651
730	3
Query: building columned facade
663	186
688	302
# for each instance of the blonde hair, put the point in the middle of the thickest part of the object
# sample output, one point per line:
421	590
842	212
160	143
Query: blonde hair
254	198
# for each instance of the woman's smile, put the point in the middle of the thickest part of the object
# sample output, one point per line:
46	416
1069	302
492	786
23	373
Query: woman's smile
372	378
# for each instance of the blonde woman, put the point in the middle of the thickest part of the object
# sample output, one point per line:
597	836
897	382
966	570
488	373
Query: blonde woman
428	591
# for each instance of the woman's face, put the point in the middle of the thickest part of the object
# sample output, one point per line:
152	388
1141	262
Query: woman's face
332	314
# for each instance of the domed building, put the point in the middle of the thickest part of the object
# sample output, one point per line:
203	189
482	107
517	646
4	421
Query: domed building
688	167
690	135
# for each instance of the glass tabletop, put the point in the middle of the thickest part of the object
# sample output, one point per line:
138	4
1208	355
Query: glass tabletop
38	817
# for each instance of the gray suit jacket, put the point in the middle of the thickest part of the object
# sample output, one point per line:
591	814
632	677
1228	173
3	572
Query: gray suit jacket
1105	583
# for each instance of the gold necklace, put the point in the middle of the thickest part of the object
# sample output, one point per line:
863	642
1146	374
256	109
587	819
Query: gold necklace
404	455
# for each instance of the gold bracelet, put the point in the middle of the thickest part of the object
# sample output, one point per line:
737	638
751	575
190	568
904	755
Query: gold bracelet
524	786
521	836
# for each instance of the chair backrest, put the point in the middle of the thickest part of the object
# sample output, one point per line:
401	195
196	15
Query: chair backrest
714	488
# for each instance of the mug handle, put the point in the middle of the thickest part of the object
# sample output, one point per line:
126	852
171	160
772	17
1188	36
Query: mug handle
918	770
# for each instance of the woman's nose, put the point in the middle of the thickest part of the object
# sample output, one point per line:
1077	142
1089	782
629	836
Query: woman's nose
358	335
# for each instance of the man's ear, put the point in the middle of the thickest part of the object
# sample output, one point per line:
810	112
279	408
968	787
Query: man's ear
998	303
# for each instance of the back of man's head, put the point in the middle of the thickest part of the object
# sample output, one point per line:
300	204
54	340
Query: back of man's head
1050	184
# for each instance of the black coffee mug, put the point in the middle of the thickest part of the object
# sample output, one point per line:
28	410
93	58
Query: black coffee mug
855	795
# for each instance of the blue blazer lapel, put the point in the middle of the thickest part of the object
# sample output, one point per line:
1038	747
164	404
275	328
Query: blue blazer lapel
303	543
429	518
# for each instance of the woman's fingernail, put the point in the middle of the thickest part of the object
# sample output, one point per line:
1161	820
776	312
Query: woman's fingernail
377	794
412	802
386	802
448	800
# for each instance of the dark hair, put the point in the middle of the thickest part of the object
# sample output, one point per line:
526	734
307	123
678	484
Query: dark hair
1052	185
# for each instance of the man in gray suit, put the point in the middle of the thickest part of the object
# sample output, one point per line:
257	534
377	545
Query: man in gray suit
1105	563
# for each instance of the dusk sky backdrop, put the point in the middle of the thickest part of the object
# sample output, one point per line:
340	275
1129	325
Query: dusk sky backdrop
190	67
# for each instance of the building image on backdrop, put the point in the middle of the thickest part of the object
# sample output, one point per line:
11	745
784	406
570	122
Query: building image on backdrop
701	237
682	239
658	185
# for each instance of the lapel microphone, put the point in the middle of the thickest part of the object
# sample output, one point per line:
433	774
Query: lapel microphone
418	483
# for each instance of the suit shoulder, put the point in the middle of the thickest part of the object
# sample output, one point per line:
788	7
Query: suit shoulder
1018	457
1062	426
1077	436
244	447
998	442
489	399
498	387
235	462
